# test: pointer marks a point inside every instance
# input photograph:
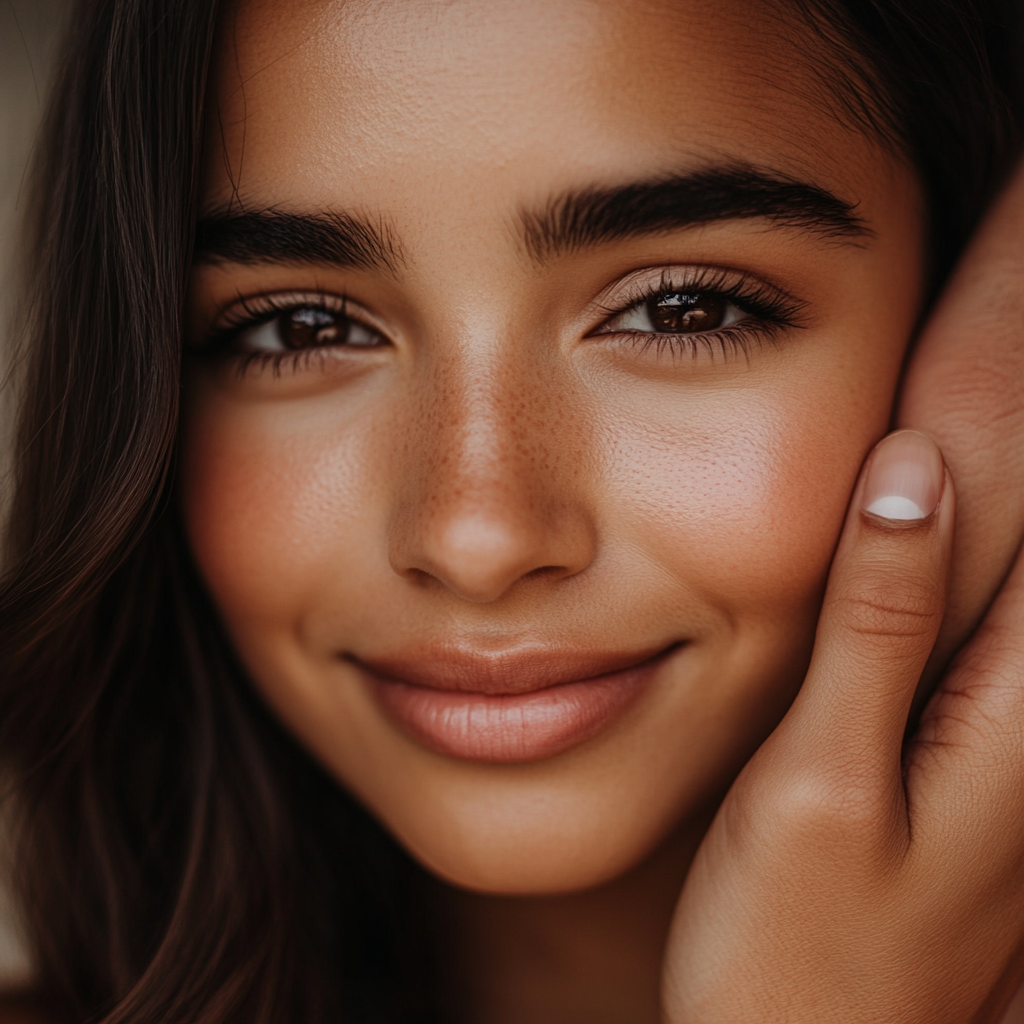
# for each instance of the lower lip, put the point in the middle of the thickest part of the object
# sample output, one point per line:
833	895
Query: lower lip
512	727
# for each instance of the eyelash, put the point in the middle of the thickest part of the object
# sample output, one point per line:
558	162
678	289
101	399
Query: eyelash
263	309
769	312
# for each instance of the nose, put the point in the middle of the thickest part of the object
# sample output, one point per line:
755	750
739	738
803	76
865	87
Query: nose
491	489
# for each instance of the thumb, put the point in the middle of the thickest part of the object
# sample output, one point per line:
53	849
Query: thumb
882	611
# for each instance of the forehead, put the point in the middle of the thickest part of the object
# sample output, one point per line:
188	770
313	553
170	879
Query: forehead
361	102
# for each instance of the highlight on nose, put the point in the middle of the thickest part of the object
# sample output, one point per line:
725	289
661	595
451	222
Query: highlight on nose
479	554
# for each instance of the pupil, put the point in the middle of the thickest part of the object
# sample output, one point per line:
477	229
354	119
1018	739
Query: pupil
308	327
685	313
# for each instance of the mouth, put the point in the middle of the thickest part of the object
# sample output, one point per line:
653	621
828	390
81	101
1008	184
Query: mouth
508	707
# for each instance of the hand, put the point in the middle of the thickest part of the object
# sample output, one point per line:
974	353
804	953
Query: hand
847	878
964	387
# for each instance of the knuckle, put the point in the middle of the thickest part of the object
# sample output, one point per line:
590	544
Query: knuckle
905	609
983	388
979	710
993	659
843	807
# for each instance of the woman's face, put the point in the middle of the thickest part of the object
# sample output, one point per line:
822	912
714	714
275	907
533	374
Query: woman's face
543	342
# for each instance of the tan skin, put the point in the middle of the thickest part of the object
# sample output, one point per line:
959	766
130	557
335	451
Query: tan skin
430	489
501	459
496	472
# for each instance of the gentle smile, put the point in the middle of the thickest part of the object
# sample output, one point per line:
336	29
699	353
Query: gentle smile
522	707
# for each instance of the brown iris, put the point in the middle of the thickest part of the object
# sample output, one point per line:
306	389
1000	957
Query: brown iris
309	327
686	312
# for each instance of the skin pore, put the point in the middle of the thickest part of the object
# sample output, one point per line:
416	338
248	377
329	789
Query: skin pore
512	475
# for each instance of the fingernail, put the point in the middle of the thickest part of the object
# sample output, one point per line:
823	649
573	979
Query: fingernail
904	480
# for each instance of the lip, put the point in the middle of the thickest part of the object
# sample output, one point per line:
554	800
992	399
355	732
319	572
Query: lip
508	707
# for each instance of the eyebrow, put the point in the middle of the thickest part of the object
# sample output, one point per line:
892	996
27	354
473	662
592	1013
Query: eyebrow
590	217
272	236
573	220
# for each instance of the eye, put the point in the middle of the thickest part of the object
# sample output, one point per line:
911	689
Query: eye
306	327
678	312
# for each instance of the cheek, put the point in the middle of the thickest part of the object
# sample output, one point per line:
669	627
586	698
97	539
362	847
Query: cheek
740	498
270	500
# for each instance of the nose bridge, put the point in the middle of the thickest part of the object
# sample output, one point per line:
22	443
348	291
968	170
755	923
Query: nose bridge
488	425
487	499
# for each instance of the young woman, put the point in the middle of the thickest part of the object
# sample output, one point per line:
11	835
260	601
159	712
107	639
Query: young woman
391	660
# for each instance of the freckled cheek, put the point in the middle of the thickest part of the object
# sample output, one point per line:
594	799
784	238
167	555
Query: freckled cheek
274	510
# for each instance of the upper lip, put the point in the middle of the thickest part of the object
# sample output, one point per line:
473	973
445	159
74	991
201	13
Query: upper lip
503	672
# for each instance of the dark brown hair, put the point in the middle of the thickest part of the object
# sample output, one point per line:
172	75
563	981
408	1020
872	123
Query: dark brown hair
179	856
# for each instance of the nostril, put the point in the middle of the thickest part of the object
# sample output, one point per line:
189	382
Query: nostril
420	577
553	572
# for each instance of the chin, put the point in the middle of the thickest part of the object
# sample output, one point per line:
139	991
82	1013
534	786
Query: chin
539	829
536	859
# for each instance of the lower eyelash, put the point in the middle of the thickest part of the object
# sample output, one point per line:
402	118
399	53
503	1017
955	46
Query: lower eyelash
279	362
740	339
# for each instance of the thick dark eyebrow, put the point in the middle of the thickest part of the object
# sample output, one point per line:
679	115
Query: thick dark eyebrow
270	236
595	216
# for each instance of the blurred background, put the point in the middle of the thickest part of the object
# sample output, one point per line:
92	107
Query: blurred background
29	33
